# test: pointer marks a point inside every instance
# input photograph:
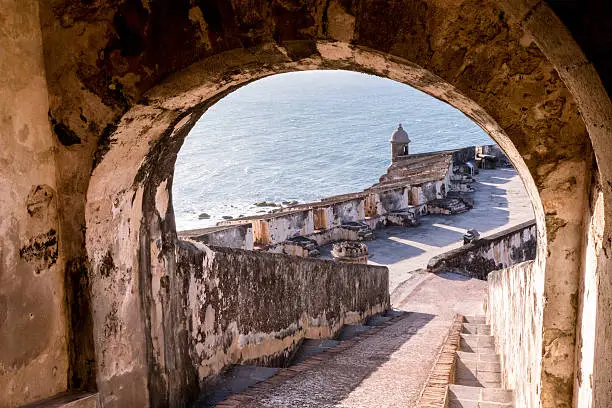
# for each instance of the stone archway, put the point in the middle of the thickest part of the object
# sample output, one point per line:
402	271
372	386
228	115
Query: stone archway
104	64
140	214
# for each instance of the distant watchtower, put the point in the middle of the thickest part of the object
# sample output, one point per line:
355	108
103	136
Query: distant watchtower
399	144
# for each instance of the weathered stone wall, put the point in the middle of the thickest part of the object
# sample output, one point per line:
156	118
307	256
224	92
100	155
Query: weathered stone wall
118	102
587	329
34	325
494	150
245	306
497	251
392	200
327	236
515	309
464	155
235	236
349	210
428	191
289	225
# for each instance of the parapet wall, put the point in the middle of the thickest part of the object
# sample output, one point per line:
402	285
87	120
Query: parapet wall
245	306
515	312
497	251
426	178
232	236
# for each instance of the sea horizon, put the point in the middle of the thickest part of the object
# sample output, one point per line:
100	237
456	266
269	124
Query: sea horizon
303	136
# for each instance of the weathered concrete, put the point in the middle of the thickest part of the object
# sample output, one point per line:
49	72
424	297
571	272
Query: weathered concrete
254	307
34	325
235	236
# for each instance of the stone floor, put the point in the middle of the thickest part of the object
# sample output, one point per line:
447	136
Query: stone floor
387	368
500	202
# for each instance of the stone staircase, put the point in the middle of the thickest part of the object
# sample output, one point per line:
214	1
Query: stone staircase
477	379
233	386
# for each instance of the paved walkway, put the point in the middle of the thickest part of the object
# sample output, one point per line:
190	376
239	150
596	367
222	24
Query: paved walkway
500	202
390	367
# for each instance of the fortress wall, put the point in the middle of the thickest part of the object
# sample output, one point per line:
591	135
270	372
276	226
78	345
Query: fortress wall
275	228
349	210
497	251
465	154
334	234
246	306
427	191
515	312
494	150
236	236
393	200
322	238
286	226
34	316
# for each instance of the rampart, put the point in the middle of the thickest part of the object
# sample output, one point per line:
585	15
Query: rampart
408	186
497	251
254	307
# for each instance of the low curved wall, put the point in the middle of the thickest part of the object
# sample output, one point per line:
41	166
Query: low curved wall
497	251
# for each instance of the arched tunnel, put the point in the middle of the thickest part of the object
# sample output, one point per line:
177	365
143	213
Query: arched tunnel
97	98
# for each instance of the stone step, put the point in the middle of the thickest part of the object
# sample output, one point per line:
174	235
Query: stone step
77	399
475	342
473	328
475	319
484	355
235	380
461	396
474	372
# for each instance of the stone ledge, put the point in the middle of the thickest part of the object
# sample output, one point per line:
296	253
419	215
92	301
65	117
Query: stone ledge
81	399
434	394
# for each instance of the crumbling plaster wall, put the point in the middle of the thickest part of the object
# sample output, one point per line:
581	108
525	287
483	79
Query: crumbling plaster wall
349	210
494	60
392	200
248	307
200	85
290	225
586	356
236	236
581	77
33	321
498	251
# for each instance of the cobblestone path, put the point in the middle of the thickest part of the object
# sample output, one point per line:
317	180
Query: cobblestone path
389	367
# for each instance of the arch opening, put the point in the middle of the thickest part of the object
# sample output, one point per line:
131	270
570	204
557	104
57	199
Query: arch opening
286	163
514	59
172	110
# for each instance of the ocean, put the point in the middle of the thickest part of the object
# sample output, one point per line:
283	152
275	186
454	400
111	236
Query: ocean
303	136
